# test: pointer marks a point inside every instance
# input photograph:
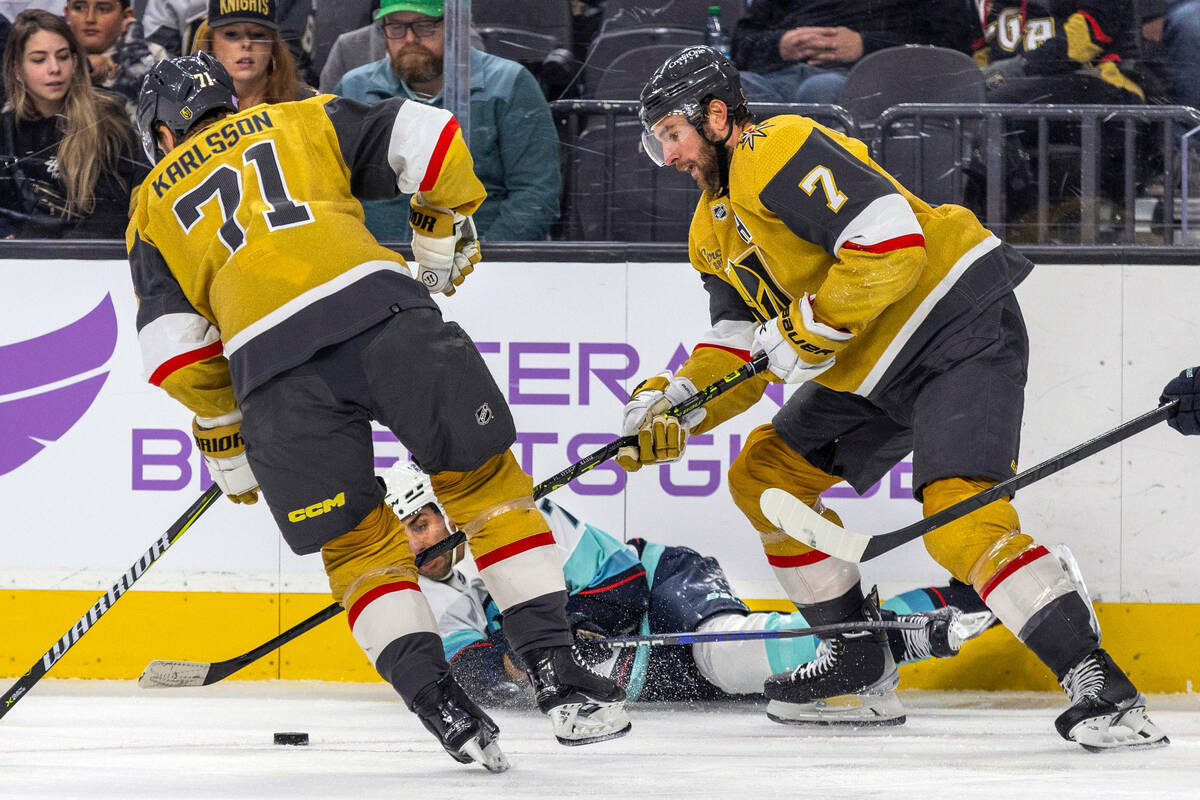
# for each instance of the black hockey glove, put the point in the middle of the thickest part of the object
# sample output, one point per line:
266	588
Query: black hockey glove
1186	388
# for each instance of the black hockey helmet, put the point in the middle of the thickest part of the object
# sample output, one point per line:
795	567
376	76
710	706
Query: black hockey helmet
682	85
177	93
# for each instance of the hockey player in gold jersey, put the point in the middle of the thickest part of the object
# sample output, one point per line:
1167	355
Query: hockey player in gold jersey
266	308
899	323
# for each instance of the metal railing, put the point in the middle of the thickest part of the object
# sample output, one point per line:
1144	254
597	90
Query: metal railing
990	124
609	116
980	133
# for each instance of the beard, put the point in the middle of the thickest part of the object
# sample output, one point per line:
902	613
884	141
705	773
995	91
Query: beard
414	63
708	176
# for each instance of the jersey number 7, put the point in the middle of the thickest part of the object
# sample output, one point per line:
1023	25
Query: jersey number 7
226	183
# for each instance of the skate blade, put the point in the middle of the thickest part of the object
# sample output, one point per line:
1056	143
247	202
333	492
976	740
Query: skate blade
849	711
490	757
1127	730
577	724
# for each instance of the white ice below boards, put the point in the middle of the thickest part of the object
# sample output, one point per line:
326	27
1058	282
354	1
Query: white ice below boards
109	739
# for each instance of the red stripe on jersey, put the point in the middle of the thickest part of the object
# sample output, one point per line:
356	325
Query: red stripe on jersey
439	155
514	548
1109	57
1025	558
744	355
599	589
888	245
1097	34
375	594
797	561
183	359
939	595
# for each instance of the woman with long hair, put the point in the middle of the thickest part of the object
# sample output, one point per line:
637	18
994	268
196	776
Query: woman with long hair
248	45
69	156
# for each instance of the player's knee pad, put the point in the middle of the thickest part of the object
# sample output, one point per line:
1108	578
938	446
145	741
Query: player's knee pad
977	546
374	553
373	575
766	462
509	538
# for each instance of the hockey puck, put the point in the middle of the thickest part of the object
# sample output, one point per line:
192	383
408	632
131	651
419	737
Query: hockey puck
291	737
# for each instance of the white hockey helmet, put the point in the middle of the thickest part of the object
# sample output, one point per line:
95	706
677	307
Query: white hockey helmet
408	489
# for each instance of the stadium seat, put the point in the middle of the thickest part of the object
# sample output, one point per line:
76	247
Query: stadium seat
621	59
616	193
670	14
931	161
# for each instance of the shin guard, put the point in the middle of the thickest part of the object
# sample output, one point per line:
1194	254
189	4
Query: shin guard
372	574
513	548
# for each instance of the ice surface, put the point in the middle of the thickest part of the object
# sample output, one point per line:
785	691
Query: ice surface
109	739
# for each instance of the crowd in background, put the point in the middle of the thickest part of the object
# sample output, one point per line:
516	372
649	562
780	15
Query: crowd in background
69	158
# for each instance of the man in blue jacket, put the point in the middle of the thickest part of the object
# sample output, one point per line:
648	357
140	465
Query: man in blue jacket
511	135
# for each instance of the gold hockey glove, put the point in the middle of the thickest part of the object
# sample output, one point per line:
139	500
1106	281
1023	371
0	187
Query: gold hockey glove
661	438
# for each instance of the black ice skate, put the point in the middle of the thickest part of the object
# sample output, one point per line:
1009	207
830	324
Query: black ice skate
852	682
944	632
583	707
467	733
1107	712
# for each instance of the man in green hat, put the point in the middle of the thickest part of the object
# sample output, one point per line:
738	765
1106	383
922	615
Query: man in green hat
512	135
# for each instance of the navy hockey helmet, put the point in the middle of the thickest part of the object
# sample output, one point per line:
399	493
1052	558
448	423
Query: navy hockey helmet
682	85
177	93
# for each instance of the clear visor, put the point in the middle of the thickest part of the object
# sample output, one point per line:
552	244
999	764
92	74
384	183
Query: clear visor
653	148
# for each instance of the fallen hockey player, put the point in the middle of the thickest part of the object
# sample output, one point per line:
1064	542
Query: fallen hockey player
647	587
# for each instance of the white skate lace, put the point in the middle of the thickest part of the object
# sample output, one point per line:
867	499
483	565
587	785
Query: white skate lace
1085	679
826	660
916	642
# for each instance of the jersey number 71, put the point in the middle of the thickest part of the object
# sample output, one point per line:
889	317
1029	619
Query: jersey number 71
226	183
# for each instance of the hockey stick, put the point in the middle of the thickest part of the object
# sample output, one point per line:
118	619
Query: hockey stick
106	601
174	674
802	523
163	674
703	637
561	479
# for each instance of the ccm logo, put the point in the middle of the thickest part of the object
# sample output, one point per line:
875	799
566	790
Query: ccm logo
317	509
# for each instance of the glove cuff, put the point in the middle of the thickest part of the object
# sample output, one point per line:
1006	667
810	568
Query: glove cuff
223	441
437	223
814	341
657	383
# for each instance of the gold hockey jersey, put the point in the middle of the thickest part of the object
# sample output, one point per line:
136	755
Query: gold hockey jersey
247	243
809	213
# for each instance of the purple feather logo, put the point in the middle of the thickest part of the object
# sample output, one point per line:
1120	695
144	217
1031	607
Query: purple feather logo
49	363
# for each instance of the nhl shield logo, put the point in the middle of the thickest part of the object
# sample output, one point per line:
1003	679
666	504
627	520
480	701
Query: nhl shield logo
720	212
483	414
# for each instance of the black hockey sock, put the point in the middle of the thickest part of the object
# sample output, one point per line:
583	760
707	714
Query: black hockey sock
847	606
412	662
1060	633
538	623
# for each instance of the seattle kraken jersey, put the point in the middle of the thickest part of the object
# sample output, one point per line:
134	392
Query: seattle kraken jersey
247	242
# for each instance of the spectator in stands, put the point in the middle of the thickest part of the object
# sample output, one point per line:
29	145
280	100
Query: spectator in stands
1048	51
798	51
512	135
69	156
1045	51
171	27
351	50
1181	34
118	56
245	39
